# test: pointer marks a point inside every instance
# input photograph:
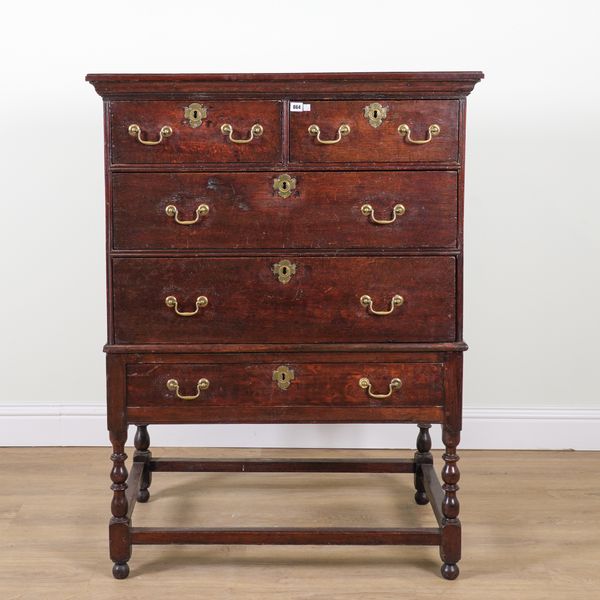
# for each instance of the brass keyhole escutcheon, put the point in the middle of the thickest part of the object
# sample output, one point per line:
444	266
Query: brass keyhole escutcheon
284	270
283	376
375	114
284	185
194	113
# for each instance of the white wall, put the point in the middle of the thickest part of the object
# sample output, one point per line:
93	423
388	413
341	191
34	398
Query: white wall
533	207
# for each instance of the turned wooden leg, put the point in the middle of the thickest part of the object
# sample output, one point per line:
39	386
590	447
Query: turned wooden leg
451	539
118	529
422	456
142	454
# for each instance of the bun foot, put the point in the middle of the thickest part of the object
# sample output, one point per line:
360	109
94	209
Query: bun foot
120	570
143	496
450	571
421	498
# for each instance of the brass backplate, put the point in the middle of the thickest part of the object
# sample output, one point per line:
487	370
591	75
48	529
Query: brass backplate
283	376
284	185
375	114
284	270
194	113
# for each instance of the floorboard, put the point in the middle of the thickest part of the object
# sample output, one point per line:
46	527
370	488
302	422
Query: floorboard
531	529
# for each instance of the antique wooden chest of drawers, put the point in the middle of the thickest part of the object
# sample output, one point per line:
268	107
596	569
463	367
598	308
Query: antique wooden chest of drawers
285	249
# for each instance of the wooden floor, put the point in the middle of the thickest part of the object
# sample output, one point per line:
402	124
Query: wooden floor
531	523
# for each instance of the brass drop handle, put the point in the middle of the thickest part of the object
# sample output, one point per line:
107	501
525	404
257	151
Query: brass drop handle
396	300
256	130
365	384
201	211
136	131
201	302
343	130
404	131
397	211
173	386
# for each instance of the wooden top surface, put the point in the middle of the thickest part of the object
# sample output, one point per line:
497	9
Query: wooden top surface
413	83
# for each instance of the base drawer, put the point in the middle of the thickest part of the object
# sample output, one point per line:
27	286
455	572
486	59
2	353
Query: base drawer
281	384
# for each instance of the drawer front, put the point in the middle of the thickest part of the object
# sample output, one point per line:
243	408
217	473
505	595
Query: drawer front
293	384
381	144
287	299
203	143
291	210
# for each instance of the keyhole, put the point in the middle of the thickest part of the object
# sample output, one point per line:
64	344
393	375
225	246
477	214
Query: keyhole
282	376
284	270
195	114
375	113
284	185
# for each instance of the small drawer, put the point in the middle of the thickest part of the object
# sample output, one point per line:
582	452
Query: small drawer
284	299
371	209
212	131
345	131
272	385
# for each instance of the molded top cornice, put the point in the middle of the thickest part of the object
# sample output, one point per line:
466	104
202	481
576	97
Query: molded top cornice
443	84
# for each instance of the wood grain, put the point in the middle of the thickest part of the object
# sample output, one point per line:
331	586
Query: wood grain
539	543
321	385
204	144
323	212
315	322
382	144
193	85
247	302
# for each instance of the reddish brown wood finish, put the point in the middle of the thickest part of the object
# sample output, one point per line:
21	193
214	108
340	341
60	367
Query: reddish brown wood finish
433	491
287	350
203	144
240	85
246	212
313	324
283	414
425	536
286	465
422	457
450	546
320	385
143	455
247	302
383	144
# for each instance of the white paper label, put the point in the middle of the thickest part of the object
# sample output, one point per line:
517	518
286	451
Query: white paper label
299	107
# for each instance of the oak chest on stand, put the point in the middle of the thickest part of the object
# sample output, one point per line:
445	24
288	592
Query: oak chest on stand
285	249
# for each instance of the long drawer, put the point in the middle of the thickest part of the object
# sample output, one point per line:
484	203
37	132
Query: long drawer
294	299
285	384
413	209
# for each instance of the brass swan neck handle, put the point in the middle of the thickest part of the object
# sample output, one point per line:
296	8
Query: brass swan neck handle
255	131
171	302
136	131
343	130
201	211
432	131
368	211
396	301
365	384
173	386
